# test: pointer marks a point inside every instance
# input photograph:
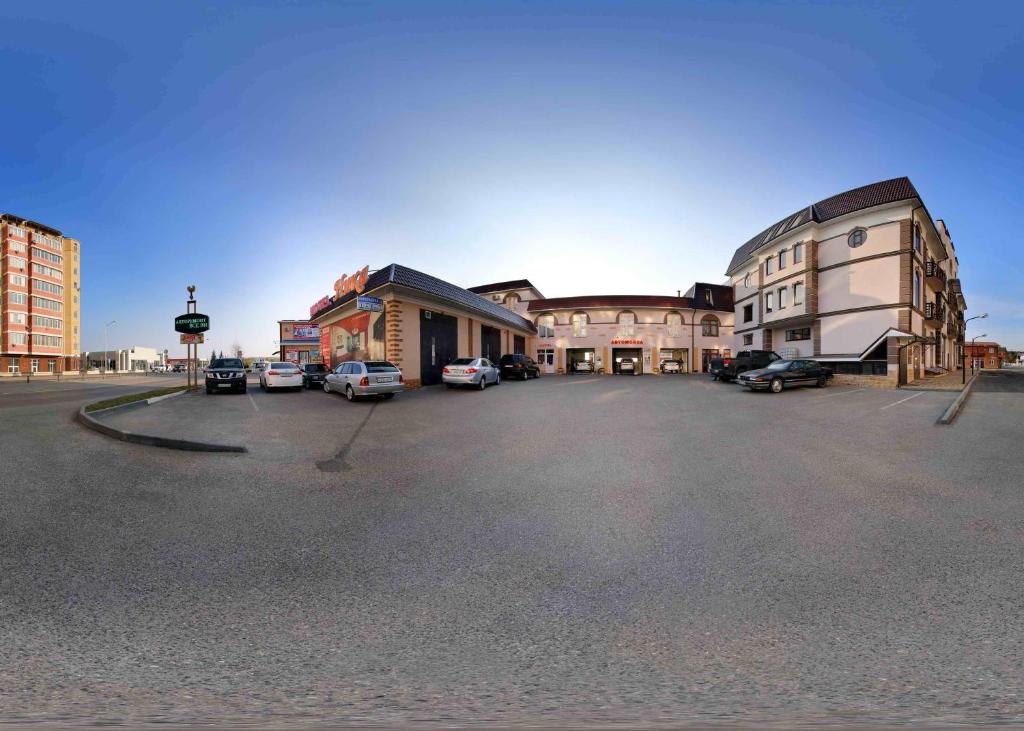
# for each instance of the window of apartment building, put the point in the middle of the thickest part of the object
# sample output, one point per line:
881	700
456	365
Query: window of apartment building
748	280
545	326
782	297
800	333
34	365
16	262
798	253
917	288
17	318
40	254
18	280
18	298
748	313
782	259
74	330
768	265
768	299
857	237
675	324
47	341
15	231
18	338
47	287
798	293
12	365
47	271
709	326
53	366
76	299
627	324
579	325
16	247
917	237
748	339
43	321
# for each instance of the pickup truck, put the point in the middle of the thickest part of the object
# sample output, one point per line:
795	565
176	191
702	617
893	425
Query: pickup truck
726	369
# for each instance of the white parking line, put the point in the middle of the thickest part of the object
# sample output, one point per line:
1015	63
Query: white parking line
897	403
841	393
252	400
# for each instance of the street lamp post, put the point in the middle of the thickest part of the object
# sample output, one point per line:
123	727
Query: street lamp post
106	352
963	357
972	350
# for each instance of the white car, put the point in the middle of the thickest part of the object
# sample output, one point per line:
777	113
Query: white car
476	372
281	375
356	378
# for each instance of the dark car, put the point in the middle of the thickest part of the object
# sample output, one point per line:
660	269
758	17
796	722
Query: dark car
518	366
314	375
782	373
728	368
226	374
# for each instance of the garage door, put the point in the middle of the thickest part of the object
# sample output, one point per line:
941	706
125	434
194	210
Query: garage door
490	343
439	344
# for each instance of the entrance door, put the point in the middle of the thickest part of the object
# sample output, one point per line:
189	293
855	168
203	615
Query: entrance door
546	360
706	357
519	345
490	343
439	344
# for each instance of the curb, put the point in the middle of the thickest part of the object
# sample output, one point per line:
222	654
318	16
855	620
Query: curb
958	403
149	440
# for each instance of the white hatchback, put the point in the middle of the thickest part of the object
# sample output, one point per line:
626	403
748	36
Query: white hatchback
281	375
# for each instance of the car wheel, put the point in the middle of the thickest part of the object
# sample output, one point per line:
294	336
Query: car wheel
327	388
525	376
497	379
263	385
349	393
776	385
822	381
483	383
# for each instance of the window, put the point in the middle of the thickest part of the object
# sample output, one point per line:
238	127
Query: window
709	326
46	304
16	318
47	287
782	297
18	298
798	253
15	231
917	237
47	271
16	247
511	300
768	265
748	313
861	368
768	302
748	339
18	338
47	341
857	237
579	325
709	299
16	262
40	254
917	288
675	324
627	324
801	333
18	281
52	366
75	329
34	365
782	259
12	365
798	293
42	321
748	279
546	326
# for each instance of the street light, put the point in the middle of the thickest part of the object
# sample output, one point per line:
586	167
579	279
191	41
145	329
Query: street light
106	353
972	349
963	358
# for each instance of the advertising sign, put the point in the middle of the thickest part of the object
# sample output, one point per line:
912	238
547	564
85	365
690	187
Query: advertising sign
627	341
370	304
292	356
305	331
195	339
191	323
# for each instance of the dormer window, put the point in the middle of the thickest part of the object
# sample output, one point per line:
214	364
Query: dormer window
709	300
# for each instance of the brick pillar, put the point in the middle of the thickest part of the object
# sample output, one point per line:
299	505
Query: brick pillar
394	340
607	361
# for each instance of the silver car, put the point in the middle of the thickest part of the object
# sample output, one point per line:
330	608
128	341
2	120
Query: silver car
357	378
476	372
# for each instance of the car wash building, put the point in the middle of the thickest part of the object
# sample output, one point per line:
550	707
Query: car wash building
418	322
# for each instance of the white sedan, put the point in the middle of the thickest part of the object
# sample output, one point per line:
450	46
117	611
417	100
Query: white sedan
281	375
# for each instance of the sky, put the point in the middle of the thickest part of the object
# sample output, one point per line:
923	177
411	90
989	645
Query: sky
261	150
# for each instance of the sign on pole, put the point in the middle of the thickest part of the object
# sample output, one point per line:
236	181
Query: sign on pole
192	323
195	339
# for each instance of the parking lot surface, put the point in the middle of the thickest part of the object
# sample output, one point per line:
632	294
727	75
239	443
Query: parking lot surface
561	551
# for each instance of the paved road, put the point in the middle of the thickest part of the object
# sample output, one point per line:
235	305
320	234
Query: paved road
1001	381
16	393
592	550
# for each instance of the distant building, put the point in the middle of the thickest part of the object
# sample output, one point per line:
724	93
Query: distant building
136	359
984	355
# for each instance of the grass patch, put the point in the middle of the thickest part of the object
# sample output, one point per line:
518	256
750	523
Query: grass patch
131	398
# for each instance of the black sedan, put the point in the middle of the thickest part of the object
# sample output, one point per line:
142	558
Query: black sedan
783	373
314	375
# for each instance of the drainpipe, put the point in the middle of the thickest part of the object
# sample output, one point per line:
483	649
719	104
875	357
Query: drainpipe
693	335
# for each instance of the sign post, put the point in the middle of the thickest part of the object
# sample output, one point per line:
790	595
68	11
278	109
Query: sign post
192	325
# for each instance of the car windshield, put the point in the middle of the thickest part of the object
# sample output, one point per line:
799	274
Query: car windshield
380	366
227	363
779	365
462	361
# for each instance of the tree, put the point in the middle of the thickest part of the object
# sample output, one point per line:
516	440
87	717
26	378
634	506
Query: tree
236	350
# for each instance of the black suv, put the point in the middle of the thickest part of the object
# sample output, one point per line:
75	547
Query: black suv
314	375
518	366
225	374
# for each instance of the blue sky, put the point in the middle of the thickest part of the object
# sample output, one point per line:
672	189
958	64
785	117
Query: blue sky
260	150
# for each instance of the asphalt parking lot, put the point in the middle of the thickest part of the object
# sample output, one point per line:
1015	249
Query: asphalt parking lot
562	551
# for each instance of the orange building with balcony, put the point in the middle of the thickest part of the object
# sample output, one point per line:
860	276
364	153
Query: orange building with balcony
39	298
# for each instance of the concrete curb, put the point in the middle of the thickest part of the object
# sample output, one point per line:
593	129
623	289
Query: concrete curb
149	440
958	403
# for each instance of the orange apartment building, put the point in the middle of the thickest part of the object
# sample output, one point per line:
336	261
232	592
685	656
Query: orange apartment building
39	298
984	355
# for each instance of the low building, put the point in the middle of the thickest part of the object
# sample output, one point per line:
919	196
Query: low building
136	359
604	330
984	355
299	341
865	281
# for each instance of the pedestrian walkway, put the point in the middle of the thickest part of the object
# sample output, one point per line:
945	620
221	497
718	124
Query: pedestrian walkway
952	381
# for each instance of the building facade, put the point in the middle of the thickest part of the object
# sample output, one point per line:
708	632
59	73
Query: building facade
299	341
39	298
865	281
603	330
136	359
984	355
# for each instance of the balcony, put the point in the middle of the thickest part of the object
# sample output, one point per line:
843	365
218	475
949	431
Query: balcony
934	314
934	276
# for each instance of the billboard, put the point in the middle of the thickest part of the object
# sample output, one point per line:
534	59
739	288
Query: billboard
357	337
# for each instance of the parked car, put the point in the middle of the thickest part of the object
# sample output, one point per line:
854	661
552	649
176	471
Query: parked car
158	368
727	369
476	372
314	375
518	366
782	373
671	366
259	366
582	366
178	368
225	374
357	378
281	375
627	365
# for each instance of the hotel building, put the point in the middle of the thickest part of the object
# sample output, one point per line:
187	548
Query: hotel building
865	281
39	298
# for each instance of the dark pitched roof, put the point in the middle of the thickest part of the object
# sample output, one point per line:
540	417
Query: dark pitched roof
608	300
406	277
502	286
867	196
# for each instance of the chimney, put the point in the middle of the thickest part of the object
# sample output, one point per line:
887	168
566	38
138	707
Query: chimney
679	293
